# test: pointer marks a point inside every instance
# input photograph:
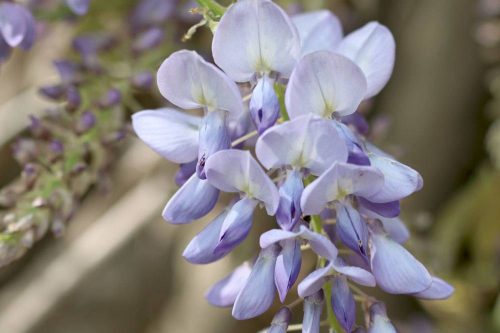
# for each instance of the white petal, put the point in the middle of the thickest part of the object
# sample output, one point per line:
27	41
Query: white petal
339	180
319	30
170	133
193	200
189	82
255	36
400	180
324	83
395	269
396	229
372	48
315	145
237	171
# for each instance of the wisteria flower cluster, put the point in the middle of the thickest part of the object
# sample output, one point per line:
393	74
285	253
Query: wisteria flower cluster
295	83
18	26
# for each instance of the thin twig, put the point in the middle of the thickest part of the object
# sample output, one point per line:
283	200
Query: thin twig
360	292
295	303
247	97
244	138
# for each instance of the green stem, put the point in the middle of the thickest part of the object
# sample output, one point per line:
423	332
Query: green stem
280	92
316	224
213	6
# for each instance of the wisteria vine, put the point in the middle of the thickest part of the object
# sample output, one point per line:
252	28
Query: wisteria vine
279	130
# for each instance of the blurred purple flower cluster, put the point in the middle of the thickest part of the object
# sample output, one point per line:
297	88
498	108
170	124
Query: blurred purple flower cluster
326	185
18	26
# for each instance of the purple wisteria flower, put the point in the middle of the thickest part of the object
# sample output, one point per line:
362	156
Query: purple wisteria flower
79	7
17	28
245	47
330	190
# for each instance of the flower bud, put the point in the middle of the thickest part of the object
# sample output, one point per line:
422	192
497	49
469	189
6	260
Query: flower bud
264	105
86	122
113	97
54	92
289	210
352	229
257	294
66	70
147	40
236	225
343	304
142	80
280	321
287	267
74	100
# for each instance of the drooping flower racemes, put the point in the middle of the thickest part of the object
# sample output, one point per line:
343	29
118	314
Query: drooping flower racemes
326	185
18	26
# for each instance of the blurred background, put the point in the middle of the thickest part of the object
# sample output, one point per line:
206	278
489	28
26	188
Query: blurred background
96	255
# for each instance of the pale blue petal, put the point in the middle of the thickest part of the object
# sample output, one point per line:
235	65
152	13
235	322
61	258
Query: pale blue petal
356	154
439	289
258	293
276	235
237	171
188	81
378	210
193	200
236	225
170	133
395	269
400	180
314	281
357	274
316	145
185	171
224	292
287	267
343	304
201	248
264	105
12	23
289	212
352	229
255	36
372	48
319	30
324	83
339	180
214	137
396	229
319	243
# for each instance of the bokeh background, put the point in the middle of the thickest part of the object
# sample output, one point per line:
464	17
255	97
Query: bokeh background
117	267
